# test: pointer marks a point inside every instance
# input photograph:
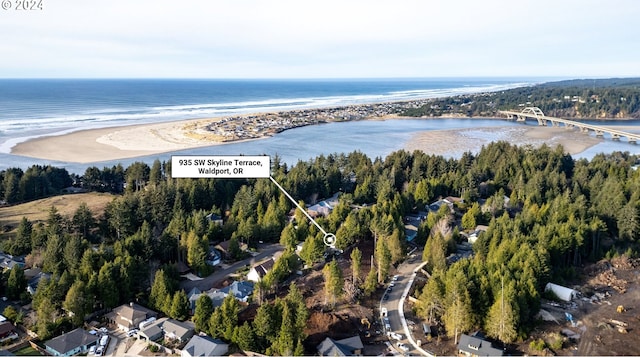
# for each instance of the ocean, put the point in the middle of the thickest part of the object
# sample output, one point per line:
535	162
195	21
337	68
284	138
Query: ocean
31	108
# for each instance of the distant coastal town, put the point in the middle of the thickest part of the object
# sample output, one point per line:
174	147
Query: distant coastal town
254	126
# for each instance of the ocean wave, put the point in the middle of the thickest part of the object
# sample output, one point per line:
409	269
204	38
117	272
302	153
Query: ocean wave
18	128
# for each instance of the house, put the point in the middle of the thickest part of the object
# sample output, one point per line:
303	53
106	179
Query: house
410	232
7	332
224	248
435	206
8	261
257	272
153	331
204	346
351	346
322	208
34	276
177	331
216	219
241	290
71	343
563	293
214	257
474	346
130	316
473	236
216	296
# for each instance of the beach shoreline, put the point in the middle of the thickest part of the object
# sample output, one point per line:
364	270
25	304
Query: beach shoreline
139	140
125	142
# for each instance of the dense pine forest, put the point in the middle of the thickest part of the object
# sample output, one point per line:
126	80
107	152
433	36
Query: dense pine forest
547	214
578	99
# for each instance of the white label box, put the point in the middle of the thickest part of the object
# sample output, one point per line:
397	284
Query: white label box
199	166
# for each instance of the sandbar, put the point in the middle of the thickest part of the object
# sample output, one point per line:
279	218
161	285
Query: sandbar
456	142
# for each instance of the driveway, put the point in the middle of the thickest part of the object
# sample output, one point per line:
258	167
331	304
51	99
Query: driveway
266	251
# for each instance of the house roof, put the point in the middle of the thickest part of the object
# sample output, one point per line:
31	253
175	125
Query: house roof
177	328
344	347
152	331
224	246
240	289
194	292
71	340
477	346
205	346
6	327
263	269
128	314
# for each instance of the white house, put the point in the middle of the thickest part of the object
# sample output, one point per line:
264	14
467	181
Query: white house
257	272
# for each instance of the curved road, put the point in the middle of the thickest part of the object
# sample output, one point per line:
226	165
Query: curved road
395	302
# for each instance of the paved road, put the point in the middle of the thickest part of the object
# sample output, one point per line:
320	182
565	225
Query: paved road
395	295
266	251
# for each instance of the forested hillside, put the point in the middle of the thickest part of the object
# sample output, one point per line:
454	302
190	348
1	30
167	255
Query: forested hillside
577	99
547	214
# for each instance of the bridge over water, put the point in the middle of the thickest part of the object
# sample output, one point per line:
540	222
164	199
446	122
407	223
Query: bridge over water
543	120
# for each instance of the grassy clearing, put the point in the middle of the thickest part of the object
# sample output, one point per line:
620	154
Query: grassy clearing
38	211
26	351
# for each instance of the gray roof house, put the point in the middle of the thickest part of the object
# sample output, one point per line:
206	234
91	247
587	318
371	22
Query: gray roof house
152	332
241	290
129	316
204	346
474	346
351	346
176	330
217	297
71	343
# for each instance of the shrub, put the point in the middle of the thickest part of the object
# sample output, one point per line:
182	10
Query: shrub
538	345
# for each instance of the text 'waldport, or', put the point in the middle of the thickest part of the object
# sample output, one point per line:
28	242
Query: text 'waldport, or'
197	166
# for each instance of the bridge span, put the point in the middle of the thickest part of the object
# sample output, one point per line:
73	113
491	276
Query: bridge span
543	120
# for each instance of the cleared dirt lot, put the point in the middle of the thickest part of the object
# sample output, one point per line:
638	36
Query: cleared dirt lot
600	330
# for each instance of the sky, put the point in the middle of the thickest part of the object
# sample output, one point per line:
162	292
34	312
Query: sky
320	39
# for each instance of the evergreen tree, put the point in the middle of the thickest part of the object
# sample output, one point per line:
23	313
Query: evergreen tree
22	242
202	313
333	282
432	300
229	311
502	320
83	220
356	264
180	306
246	337
16	283
289	237
160	291
77	302
371	282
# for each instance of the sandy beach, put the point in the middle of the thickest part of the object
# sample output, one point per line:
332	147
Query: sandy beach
143	140
119	142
